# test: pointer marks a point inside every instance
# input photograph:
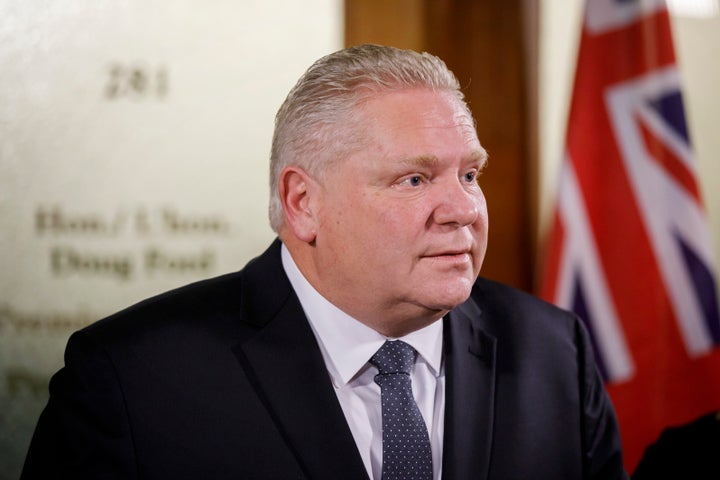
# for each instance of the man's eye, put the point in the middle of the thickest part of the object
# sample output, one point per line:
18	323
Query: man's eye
414	180
471	176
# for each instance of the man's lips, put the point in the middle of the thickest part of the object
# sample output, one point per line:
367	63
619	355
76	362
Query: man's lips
455	258
448	253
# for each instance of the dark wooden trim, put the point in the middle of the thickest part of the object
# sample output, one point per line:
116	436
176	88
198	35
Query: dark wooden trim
400	23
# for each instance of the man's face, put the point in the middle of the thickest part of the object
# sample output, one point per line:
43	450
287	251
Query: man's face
402	224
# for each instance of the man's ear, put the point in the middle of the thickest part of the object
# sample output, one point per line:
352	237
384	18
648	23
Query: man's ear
296	189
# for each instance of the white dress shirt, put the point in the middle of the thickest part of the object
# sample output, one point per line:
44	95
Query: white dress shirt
346	346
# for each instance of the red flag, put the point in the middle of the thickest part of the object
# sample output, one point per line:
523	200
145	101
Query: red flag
629	248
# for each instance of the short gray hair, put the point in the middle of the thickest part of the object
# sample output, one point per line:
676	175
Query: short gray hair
314	124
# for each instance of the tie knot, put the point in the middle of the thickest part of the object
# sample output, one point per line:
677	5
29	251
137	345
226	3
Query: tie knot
394	357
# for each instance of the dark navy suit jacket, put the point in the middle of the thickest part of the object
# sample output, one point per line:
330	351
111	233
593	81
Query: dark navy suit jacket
224	379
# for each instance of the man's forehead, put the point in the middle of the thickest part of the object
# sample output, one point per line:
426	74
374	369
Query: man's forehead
390	119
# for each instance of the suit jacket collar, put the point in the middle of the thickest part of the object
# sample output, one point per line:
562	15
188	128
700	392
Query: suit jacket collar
284	364
470	369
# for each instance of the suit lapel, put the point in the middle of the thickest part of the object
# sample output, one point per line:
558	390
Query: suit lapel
284	363
470	394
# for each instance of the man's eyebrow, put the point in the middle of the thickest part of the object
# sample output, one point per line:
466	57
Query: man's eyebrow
420	161
480	156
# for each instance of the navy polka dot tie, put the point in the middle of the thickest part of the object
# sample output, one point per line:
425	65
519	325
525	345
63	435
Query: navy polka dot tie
406	445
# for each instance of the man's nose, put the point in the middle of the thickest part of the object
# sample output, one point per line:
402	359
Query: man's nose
458	204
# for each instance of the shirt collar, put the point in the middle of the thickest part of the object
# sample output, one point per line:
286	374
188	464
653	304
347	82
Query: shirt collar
346	343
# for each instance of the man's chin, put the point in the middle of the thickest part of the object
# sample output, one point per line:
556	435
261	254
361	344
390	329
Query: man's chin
449	300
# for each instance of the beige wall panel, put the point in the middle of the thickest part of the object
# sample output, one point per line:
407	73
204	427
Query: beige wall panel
134	143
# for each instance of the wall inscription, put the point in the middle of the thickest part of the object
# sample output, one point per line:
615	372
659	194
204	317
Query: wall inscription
62	226
136	81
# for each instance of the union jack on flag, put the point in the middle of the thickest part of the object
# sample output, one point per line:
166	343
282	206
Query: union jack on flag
629	249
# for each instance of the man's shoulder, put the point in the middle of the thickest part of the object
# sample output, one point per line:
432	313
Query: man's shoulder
218	303
177	308
499	296
508	311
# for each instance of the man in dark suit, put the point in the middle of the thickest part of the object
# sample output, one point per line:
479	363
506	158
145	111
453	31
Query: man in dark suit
276	371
